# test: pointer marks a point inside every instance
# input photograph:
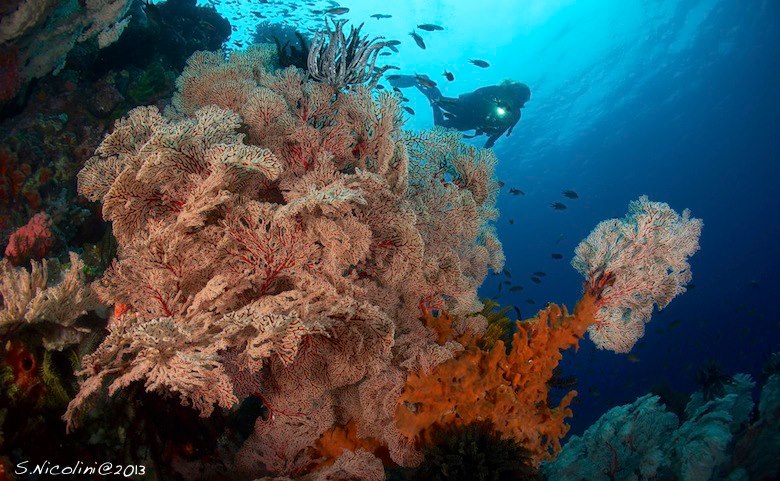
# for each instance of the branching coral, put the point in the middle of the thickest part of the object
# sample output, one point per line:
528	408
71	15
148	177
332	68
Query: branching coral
640	261
49	304
507	389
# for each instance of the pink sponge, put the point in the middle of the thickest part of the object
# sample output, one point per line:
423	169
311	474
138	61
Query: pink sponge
31	241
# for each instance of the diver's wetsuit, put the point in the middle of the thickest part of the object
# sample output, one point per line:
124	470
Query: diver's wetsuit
490	110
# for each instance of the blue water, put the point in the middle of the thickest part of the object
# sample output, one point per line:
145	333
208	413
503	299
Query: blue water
678	100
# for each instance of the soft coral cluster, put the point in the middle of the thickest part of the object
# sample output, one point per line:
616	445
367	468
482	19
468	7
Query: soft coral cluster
508	389
288	262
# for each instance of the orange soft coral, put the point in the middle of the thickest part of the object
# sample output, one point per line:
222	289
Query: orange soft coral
509	390
333	442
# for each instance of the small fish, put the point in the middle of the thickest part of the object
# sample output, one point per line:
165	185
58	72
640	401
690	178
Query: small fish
425	81
479	63
511	222
517	311
392	43
404	99
380	87
540	274
448	75
530	301
380	16
409	109
514	191
556	256
507	273
674	323
632	358
558	206
393	48
536	280
570	194
337	11
429	27
417	39
515	288
501	184
385	54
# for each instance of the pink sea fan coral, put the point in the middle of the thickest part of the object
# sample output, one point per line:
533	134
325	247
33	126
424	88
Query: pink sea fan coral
284	236
31	241
640	261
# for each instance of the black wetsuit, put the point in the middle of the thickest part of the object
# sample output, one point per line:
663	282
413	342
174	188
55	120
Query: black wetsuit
490	110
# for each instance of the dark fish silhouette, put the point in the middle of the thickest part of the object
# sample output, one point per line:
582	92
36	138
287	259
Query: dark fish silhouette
429	27
511	222
570	194
515	288
514	191
385	54
425	81
501	184
380	87
380	16
536	280
517	311
479	63
556	256
337	11
417	39
540	273
558	206
409	109
507	273
448	76
392	42
530	301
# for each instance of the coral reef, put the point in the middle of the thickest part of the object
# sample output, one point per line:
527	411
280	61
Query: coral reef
716	441
49	304
43	32
640	260
508	389
289	264
31	241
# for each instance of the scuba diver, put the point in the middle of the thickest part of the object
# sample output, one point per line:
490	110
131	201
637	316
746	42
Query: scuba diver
489	111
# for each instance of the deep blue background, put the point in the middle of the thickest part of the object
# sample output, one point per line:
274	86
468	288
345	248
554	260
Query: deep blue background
713	148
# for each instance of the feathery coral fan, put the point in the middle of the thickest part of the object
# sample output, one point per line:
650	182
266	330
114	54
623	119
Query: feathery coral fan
288	263
640	260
